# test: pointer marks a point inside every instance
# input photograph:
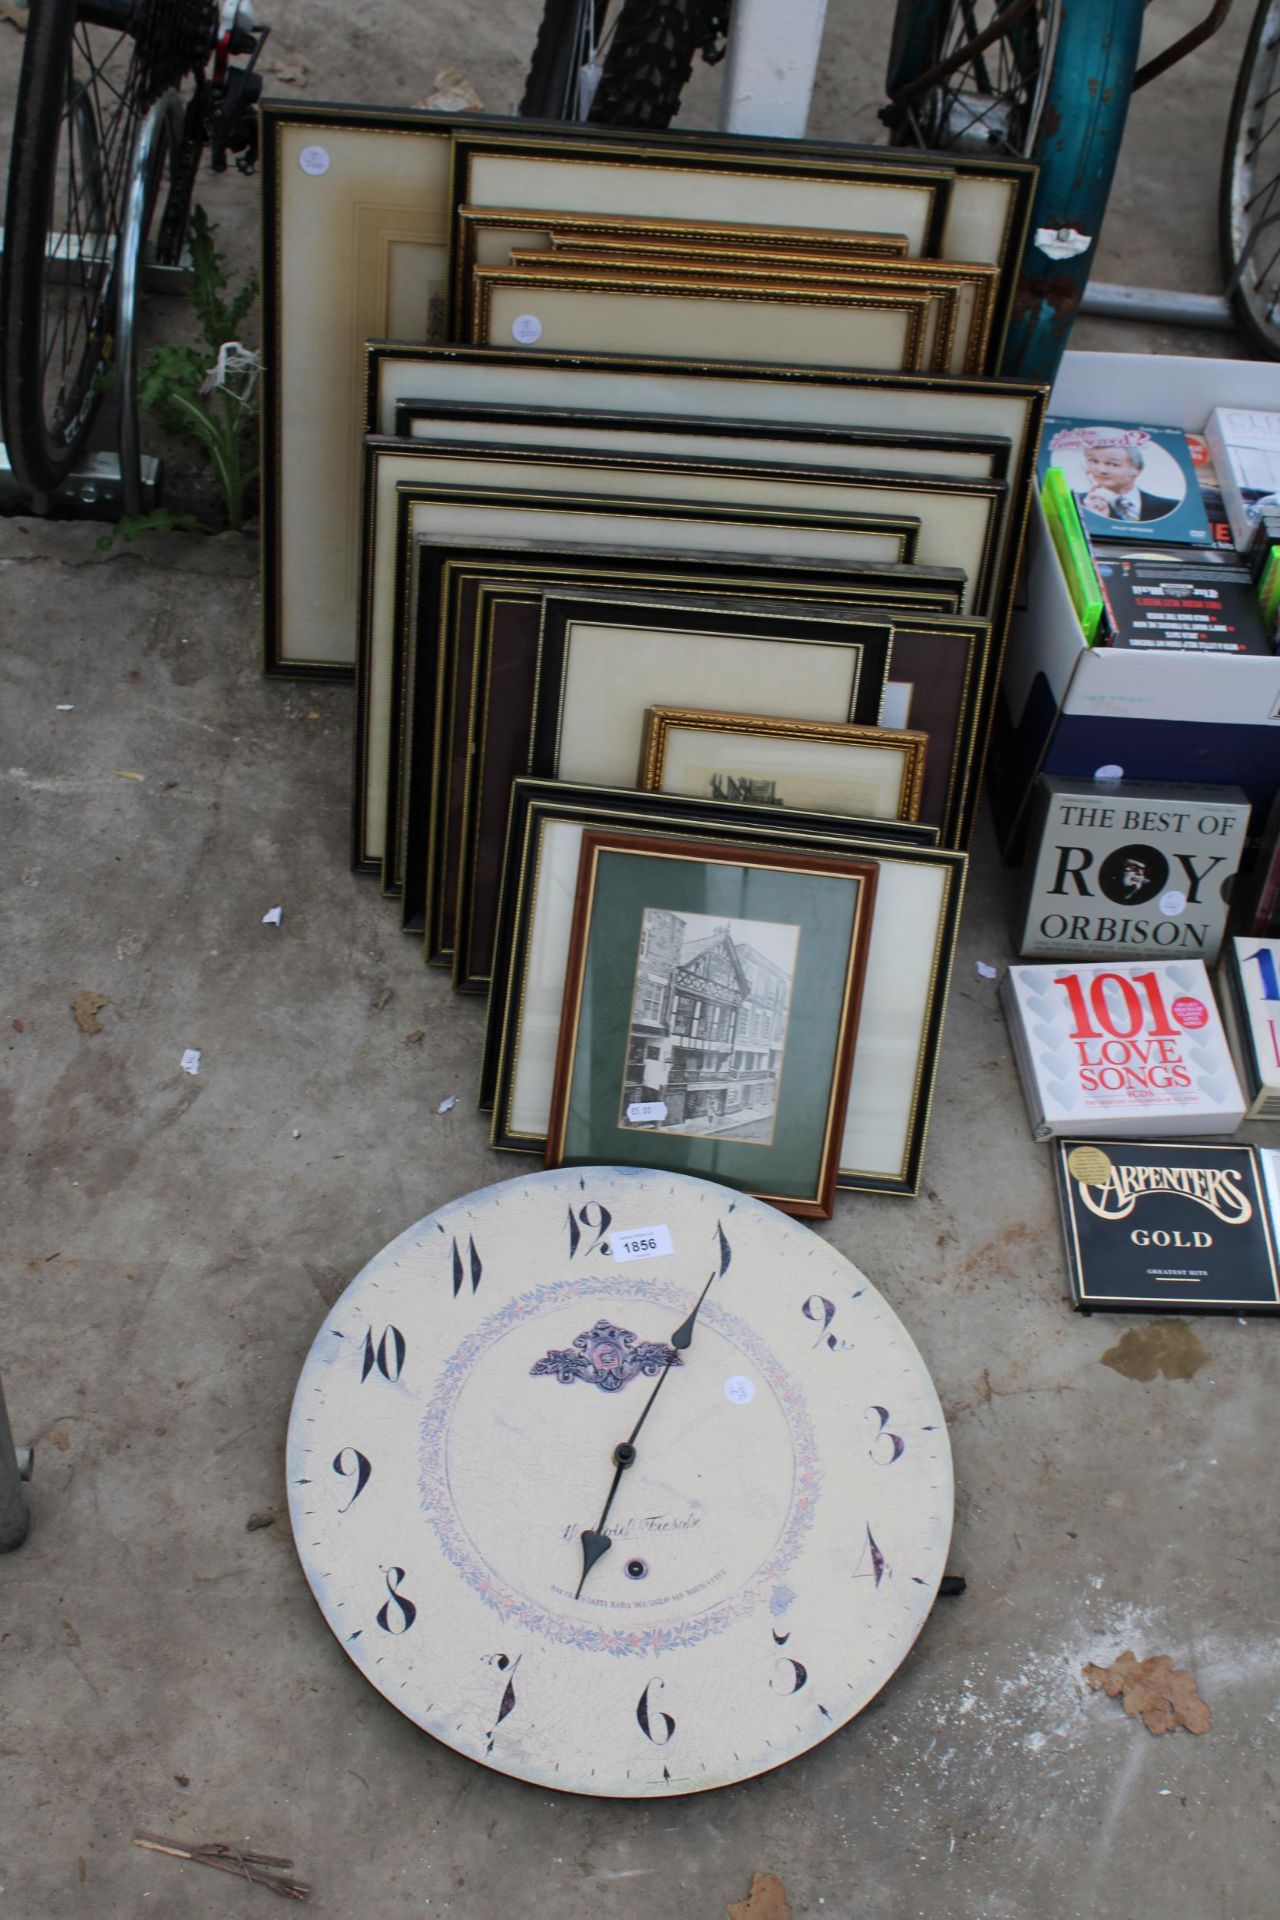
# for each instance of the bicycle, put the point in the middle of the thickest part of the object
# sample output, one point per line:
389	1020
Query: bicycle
1036	79
105	150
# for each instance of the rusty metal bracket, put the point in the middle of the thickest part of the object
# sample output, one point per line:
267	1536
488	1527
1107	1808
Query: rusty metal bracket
1162	62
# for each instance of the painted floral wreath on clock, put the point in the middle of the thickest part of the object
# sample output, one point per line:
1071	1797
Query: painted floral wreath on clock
762	1590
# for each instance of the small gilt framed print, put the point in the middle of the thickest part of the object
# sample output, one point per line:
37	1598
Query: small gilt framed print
689	964
876	773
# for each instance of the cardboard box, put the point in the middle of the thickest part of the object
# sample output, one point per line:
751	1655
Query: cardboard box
1069	709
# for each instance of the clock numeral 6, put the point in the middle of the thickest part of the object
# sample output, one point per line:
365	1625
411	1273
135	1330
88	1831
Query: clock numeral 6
405	1612
359	1470
893	1441
788	1676
647	1719
581	1226
387	1356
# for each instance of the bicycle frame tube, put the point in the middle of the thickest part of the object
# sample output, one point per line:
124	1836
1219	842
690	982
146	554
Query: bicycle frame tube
1082	124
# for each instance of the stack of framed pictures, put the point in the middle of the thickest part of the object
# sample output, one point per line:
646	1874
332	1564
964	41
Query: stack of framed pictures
662	498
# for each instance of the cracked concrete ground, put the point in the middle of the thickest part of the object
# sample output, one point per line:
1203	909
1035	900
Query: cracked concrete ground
170	1244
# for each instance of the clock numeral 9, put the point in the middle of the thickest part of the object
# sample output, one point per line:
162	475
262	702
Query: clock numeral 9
821	1311
387	1356
473	1264
581	1226
894	1441
405	1612
647	1719
359	1470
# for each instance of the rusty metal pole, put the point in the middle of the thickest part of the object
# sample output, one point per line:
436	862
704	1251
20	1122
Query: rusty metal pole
14	1469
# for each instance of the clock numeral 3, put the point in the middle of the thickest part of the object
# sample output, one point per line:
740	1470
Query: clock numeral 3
405	1612
879	1568
359	1470
387	1356
581	1226
791	1674
473	1265
894	1441
647	1719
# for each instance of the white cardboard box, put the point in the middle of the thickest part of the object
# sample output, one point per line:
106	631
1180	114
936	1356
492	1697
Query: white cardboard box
1071	709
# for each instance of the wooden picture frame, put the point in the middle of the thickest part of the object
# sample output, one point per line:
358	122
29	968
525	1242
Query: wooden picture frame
435	732
714	319
600	655
498	492
940	455
689	961
485	235
905	991
873	773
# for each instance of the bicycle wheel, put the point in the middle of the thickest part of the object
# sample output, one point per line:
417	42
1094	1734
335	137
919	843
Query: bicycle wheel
1053	85
89	73
1249	195
619	65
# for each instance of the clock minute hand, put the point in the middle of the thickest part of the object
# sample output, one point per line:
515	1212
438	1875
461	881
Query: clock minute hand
595	1541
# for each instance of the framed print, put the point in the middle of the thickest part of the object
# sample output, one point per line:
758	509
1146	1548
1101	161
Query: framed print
589	500
711	1005
868	192
1009	409
485	236
603	661
958	335
959	456
904	995
713	320
875	773
435	740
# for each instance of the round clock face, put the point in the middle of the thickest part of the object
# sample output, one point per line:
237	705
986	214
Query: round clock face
619	1482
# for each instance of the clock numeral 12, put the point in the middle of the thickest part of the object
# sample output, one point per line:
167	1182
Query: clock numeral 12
473	1264
359	1470
387	1356
647	1719
581	1225
405	1612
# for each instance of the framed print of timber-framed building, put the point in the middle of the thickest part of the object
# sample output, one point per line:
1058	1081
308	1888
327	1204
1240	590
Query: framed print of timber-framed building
687	960
918	900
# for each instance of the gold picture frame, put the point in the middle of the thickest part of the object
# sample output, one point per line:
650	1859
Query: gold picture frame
875	773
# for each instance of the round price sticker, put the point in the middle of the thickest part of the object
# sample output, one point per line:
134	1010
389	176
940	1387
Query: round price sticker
739	1389
527	329
1190	1012
1173	903
314	160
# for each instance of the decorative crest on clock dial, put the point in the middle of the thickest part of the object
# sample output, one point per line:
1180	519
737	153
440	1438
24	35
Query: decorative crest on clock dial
607	1357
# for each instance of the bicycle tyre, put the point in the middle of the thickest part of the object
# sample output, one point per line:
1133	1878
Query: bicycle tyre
1257	310
1080	124
650	57
550	91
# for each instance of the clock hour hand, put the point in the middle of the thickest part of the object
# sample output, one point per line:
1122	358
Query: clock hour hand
595	1541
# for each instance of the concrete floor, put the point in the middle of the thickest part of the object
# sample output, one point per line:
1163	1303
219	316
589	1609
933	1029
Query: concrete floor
170	1244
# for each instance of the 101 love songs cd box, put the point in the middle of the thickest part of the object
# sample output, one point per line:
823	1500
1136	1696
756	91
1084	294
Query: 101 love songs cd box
1159	1225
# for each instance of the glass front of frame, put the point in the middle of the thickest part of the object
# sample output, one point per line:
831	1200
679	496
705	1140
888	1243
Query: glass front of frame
677	1045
